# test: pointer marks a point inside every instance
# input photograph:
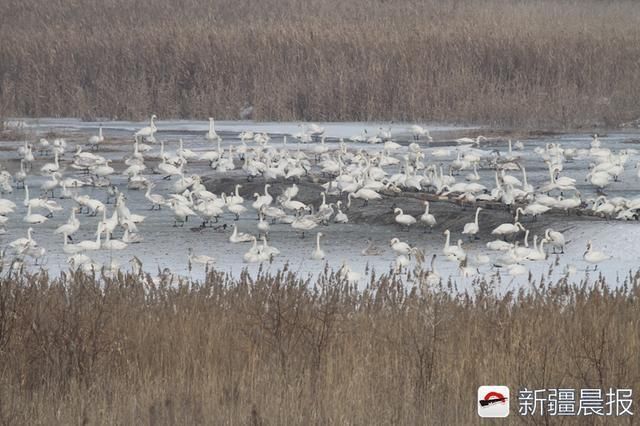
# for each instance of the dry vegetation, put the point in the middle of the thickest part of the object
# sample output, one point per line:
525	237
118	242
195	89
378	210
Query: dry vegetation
547	63
281	350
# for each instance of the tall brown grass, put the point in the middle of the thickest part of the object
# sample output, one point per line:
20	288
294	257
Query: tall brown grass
279	349
546	63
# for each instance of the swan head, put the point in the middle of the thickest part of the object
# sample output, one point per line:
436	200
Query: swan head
154	117
393	241
397	210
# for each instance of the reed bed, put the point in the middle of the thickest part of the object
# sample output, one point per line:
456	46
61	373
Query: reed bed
545	63
282	349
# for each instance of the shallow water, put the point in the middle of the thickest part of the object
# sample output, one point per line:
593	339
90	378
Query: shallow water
166	246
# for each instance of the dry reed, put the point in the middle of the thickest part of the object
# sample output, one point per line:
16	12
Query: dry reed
548	63
278	349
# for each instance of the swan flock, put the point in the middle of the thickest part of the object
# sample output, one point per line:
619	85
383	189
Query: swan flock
311	183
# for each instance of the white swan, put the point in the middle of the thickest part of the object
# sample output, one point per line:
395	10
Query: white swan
453	252
200	259
148	131
294	205
346	273
599	179
401	262
90	244
168	169
508	229
235	198
33	218
20	244
419	132
594	257
538	252
304	223
109	244
535	209
51	168
472	228
181	212
433	277
70	248
21	175
499	245
156	200
555	239
237	209
427	218
318	253
400	247
340	216
263	225
95	140
130	237
403	219
367	195
239	237
211	133
72	225
263	200
254	255
41	203
268	251
475	141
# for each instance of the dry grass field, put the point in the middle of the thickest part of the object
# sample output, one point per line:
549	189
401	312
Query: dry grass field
279	350
546	63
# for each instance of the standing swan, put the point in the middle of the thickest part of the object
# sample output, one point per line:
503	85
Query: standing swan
508	229
555	239
318	253
427	218
95	140
404	219
148	132
211	134
453	252
472	228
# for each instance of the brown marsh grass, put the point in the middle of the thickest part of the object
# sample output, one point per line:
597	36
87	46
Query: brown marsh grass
279	349
550	63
